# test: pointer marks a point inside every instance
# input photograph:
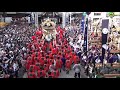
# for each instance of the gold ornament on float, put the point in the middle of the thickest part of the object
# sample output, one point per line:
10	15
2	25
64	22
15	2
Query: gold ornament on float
49	30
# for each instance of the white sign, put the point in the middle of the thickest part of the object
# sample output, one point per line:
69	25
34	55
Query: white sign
105	31
105	46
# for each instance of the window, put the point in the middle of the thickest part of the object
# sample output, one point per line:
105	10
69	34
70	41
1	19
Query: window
95	19
97	14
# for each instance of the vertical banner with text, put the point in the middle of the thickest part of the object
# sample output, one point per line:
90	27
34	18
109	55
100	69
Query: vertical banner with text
82	24
86	36
105	27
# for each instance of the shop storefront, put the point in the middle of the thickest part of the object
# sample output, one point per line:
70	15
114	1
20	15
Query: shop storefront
114	34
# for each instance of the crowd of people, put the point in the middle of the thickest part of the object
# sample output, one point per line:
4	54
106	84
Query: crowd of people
13	40
94	54
22	46
45	59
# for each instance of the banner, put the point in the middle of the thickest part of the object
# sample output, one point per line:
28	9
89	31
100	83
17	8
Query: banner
105	27
82	24
86	36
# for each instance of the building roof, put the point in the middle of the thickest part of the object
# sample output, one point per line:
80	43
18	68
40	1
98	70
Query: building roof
15	14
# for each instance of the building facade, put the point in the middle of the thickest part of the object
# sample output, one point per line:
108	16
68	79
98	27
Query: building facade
97	16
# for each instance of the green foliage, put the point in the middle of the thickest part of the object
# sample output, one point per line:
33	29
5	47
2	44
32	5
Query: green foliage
111	14
84	13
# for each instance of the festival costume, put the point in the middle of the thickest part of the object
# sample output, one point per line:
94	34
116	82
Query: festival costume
37	67
46	67
45	47
33	68
31	75
58	64
41	74
68	64
51	75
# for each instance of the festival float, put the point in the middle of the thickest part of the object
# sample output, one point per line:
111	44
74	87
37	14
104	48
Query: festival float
49	30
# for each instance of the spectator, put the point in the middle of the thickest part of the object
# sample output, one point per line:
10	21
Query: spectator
63	61
13	42
52	67
77	69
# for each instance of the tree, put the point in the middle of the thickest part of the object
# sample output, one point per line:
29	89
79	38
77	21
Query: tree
111	14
